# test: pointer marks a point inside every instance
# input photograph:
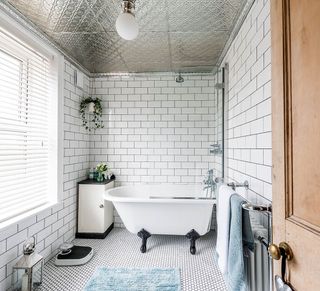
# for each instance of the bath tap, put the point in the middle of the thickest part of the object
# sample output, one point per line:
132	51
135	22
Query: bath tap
209	183
209	178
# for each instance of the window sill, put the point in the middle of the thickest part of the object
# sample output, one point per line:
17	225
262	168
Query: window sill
26	215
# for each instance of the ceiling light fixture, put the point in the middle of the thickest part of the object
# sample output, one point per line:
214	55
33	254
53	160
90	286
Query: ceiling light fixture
126	24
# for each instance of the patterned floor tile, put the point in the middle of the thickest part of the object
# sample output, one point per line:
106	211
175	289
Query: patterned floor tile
121	249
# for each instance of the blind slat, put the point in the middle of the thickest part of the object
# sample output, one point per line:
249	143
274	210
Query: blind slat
35	174
21	207
15	195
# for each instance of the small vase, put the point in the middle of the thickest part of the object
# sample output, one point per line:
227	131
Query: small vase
100	177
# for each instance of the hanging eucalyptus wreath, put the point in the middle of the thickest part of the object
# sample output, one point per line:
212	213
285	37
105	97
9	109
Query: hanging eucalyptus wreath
94	117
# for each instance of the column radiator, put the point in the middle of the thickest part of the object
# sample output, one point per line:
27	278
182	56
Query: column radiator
258	264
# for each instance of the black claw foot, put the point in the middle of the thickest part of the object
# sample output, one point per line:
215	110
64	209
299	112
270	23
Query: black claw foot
144	235
192	236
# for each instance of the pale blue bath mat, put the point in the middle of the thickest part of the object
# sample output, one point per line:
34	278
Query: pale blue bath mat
126	279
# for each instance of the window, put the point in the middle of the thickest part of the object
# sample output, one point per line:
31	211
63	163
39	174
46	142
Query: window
28	128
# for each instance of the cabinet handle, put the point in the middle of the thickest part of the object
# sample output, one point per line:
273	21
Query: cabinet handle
101	205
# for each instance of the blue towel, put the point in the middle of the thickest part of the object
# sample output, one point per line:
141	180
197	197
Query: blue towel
241	238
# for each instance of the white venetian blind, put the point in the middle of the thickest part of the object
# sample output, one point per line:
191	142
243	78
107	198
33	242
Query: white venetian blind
24	120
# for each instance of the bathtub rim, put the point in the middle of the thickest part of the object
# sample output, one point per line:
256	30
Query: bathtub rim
189	200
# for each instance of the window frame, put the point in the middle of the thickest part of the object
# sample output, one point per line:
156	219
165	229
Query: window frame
56	119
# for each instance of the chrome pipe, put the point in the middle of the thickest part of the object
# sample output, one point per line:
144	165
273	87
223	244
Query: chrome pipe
258	208
236	185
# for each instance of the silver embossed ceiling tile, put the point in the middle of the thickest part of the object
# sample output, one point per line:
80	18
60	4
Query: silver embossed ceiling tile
180	35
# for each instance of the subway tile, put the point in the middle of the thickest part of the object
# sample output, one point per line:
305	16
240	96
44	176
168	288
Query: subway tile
16	239
8	231
264	76
267	157
140	90
147	84
264	173
3	246
51	219
264	140
257	156
161	83
134	84
2	273
8	256
264	108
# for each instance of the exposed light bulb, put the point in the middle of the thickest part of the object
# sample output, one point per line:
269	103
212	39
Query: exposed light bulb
127	26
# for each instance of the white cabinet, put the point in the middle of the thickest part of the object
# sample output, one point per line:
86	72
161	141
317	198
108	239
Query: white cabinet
95	215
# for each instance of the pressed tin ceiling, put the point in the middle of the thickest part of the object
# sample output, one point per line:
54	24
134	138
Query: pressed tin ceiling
175	35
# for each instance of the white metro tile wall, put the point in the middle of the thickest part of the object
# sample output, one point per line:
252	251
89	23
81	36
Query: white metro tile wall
57	224
156	130
248	104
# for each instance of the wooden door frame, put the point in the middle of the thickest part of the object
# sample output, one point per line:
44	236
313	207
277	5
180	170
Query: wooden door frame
279	118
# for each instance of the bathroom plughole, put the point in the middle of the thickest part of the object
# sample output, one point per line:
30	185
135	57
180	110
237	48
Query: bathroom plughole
159	145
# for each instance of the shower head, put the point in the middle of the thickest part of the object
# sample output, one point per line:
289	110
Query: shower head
179	79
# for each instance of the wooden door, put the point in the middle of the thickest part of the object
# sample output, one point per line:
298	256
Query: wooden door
295	30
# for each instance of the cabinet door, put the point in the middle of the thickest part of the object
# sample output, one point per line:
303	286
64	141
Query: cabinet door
91	208
108	208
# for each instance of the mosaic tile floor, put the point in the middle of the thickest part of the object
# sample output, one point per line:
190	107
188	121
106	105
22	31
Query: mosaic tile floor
121	249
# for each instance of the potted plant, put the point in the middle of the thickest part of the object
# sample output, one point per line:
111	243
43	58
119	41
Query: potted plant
91	112
101	170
